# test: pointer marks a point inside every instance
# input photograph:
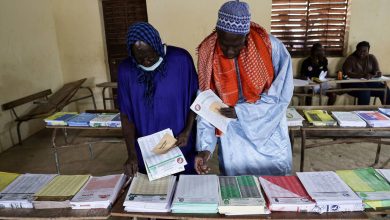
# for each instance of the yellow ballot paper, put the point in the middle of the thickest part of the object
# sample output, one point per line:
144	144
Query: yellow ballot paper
142	186
63	186
165	144
6	179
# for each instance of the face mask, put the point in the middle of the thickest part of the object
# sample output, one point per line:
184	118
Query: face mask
153	67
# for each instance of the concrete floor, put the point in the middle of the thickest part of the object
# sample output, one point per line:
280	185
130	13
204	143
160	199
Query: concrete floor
36	156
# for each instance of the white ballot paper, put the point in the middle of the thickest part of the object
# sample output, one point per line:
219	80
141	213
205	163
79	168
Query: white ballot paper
160	165
330	192
322	75
207	105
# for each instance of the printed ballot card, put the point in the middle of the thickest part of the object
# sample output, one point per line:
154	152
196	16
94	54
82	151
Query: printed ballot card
207	105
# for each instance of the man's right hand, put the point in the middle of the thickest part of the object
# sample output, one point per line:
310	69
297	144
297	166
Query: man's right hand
201	162
131	166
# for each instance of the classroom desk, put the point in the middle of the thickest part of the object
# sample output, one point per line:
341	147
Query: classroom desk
107	85
92	134
331	80
341	135
299	83
118	211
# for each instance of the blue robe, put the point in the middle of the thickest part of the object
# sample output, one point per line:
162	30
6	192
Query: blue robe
258	142
174	94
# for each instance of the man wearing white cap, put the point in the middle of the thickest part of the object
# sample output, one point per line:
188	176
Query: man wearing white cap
251	72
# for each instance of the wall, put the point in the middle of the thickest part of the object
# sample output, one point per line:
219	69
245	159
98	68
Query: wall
185	23
81	46
29	60
44	44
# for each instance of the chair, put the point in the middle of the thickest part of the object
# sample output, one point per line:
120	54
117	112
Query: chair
56	102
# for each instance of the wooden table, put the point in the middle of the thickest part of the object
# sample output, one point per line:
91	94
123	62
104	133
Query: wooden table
94	135
340	135
346	81
107	85
118	211
54	214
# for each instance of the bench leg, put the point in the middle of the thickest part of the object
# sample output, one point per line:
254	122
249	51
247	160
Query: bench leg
19	135
378	152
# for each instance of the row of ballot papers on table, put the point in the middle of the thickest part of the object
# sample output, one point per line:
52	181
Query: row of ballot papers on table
44	191
326	191
343	118
319	192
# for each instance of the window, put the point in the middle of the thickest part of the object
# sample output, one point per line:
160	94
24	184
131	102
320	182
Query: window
301	23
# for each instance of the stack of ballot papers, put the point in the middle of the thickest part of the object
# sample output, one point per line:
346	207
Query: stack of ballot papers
81	120
300	82
150	196
369	185
19	194
319	118
7	178
240	195
348	119
59	118
294	118
286	194
98	192
385	173
329	192
385	111
374	118
160	165
59	191
115	122
207	105
102	120
196	194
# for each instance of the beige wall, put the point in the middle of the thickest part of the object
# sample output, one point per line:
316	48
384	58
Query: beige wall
80	36
185	23
29	60
44	44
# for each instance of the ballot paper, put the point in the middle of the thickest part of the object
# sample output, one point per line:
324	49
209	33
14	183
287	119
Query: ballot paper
322	75
160	165
241	195
207	105
385	173
98	192
286	193
369	185
150	196
196	194
6	179
330	193
348	119
19	194
294	118
300	82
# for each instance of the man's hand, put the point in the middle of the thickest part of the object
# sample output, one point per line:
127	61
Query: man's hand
369	76
182	139
201	162
228	112
131	166
378	74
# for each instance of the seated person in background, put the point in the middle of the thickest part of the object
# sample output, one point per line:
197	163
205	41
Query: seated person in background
156	86
313	66
361	64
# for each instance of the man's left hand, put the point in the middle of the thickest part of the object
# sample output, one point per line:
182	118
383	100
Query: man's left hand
182	139
228	112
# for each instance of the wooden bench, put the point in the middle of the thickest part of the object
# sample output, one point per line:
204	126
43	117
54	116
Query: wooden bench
47	105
